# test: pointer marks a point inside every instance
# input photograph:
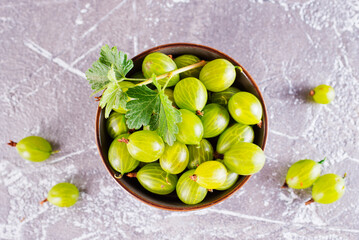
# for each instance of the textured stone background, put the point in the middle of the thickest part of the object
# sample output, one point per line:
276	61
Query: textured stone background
287	46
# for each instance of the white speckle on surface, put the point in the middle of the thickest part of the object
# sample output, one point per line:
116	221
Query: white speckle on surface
79	20
85	10
64	157
36	48
135	45
284	135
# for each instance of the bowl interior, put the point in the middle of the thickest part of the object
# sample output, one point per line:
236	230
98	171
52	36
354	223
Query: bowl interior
171	202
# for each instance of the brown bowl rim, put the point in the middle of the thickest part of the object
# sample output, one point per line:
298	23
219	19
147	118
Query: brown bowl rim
246	178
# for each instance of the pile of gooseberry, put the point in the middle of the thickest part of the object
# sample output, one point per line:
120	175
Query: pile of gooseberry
214	143
326	189
38	149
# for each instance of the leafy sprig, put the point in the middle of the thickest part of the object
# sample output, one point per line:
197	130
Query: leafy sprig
108	72
146	107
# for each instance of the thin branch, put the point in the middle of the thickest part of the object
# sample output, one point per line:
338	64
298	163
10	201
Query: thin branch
174	72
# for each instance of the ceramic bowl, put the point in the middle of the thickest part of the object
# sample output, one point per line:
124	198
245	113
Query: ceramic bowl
243	81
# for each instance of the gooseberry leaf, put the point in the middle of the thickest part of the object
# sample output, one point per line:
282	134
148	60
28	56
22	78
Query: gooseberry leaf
97	76
113	97
111	75
111	58
144	104
118	59
168	117
154	109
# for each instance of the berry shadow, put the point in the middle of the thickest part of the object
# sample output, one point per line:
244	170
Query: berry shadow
51	131
303	94
79	180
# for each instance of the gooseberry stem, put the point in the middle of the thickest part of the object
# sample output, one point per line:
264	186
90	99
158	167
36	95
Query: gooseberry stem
56	151
43	201
309	201
134	79
97	99
311	93
345	175
321	161
12	143
131	174
210	190
199	113
260	124
193	177
174	72
285	185
124	140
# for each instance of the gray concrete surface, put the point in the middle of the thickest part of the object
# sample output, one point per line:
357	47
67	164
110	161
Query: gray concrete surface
288	46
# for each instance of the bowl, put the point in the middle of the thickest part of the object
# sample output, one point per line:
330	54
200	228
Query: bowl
171	202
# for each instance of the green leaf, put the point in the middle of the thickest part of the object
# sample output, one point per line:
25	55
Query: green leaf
122	65
111	59
168	117
97	76
108	55
140	109
113	97
111	75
